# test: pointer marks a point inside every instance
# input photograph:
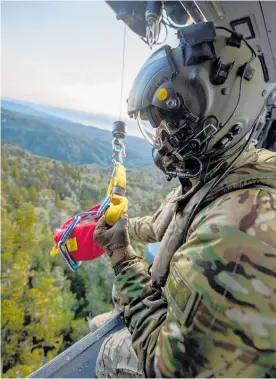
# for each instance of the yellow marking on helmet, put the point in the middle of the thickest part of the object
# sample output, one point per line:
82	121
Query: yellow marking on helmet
162	94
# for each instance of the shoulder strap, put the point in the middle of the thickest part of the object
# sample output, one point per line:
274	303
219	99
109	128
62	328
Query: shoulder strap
226	186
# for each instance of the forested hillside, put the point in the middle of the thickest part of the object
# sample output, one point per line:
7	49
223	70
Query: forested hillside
44	305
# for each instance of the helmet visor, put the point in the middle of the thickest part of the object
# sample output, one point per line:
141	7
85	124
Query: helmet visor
152	135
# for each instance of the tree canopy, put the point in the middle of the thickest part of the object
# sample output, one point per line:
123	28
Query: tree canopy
44	304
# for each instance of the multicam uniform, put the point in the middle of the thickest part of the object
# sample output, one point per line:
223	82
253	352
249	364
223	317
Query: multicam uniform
209	306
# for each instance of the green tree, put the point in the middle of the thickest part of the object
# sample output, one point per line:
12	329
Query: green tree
5	162
33	195
37	307
44	180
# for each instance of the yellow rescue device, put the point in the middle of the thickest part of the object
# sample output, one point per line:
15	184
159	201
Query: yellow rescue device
116	191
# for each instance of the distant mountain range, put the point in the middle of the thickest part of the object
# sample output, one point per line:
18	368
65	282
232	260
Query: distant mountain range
36	130
85	118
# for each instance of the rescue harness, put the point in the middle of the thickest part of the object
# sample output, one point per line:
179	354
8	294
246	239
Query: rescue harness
74	240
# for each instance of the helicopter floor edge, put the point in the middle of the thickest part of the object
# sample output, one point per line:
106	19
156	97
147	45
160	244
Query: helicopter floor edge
79	360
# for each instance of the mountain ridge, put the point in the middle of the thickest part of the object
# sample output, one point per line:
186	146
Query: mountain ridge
101	121
67	141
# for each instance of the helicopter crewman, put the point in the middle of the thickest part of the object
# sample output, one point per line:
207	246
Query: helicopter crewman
207	306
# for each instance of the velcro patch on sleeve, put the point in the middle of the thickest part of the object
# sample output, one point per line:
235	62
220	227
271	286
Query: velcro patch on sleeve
182	298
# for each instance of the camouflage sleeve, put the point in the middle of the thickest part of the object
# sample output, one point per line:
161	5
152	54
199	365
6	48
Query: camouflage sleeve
141	228
217	315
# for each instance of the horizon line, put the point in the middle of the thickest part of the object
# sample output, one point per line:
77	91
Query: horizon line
81	112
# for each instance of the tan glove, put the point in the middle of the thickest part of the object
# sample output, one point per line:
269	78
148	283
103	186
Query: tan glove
114	240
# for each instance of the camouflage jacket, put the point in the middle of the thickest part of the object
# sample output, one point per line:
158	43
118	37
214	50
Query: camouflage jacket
209	308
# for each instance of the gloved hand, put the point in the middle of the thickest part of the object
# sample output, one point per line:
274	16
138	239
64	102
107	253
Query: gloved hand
114	240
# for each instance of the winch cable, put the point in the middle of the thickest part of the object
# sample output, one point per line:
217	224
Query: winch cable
115	204
122	73
117	143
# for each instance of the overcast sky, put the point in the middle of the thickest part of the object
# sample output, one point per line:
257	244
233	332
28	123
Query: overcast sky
67	54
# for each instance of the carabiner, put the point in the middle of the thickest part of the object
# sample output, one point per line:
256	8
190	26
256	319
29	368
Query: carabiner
67	257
